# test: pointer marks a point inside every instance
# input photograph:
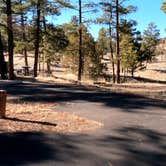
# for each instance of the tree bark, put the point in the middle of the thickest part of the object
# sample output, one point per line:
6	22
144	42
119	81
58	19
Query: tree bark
111	48
132	73
44	53
2	61
48	66
10	38
24	39
117	43
80	65
3	95
37	38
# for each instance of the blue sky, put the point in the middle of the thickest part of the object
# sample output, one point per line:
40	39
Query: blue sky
148	11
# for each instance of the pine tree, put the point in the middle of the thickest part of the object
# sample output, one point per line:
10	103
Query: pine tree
81	6
2	61
80	65
102	45
71	53
6	13
43	8
163	7
10	38
113	11
108	19
129	54
53	42
130	45
21	8
149	41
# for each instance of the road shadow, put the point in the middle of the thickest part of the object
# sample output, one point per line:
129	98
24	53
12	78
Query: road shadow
137	146
125	146
30	148
23	148
60	93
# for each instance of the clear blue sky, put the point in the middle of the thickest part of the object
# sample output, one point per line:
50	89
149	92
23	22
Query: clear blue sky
148	11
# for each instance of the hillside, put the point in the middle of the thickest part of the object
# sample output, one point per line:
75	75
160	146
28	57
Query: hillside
156	70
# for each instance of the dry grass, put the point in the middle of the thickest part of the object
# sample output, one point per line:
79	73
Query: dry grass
42	117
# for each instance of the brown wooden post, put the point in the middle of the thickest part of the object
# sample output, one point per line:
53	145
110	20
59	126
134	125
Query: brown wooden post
3	95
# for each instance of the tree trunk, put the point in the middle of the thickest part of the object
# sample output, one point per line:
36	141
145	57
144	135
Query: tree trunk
39	63
111	49
48	67
3	95
124	75
44	53
37	39
2	61
24	39
132	73
10	38
80	65
117	43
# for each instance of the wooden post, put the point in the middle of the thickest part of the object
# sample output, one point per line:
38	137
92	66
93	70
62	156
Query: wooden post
3	95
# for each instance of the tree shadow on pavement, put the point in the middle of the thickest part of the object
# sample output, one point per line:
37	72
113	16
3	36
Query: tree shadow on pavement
135	146
30	148
22	148
41	92
122	147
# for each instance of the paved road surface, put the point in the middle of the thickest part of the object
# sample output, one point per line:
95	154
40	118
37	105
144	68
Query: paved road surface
134	132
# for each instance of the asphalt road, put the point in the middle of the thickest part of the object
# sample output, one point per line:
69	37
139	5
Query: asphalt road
134	132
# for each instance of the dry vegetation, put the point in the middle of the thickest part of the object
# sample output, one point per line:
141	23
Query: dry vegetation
43	117
151	82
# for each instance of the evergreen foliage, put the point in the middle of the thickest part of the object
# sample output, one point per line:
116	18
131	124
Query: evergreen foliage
149	41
